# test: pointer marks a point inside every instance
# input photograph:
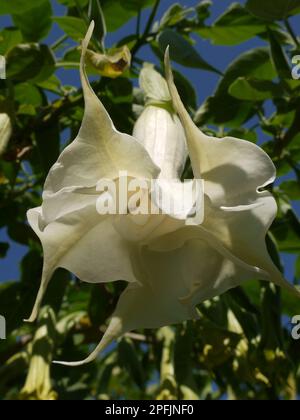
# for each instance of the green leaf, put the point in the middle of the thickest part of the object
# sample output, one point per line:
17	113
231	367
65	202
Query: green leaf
279	57
74	3
20	233
74	27
203	10
4	247
56	290
255	63
222	107
287	232
13	305
292	189
174	15
297	271
274	251
119	12
182	51
72	56
9	38
271	337
47	139
186	90
96	14
8	170
255	90
36	23
30	62
100	304
244	311
290	303
183	365
26	93
129	359
235	26
17	6
243	133
52	84
273	9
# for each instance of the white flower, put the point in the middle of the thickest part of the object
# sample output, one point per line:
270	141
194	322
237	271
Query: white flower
170	267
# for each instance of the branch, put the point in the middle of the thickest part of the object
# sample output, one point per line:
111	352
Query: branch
291	32
143	39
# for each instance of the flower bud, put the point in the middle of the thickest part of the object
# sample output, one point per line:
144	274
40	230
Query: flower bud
163	137
38	382
158	128
5	132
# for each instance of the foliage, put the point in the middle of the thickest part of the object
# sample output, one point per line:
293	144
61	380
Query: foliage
239	347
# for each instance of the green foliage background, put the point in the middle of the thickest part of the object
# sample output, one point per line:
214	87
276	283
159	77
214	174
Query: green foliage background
240	347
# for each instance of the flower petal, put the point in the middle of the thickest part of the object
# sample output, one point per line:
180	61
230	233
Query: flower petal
99	151
233	169
243	232
68	223
75	242
172	284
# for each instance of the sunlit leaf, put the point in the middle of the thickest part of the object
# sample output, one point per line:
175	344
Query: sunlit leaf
273	9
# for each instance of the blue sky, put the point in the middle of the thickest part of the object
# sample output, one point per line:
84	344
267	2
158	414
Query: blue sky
204	83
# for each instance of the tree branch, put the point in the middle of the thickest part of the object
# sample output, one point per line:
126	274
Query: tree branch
143	39
291	32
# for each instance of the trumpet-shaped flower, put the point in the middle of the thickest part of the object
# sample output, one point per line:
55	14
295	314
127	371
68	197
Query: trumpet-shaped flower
170	265
38	382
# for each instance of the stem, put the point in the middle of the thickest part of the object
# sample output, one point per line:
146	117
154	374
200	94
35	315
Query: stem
292	131
138	25
167	371
67	64
11	95
58	42
81	12
291	32
142	40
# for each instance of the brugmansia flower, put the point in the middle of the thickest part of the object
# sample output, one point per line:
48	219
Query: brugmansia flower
170	266
5	132
113	64
38	382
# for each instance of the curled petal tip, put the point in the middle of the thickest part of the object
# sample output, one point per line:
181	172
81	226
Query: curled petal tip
89	359
86	41
31	319
167	58
168	69
91	27
69	364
